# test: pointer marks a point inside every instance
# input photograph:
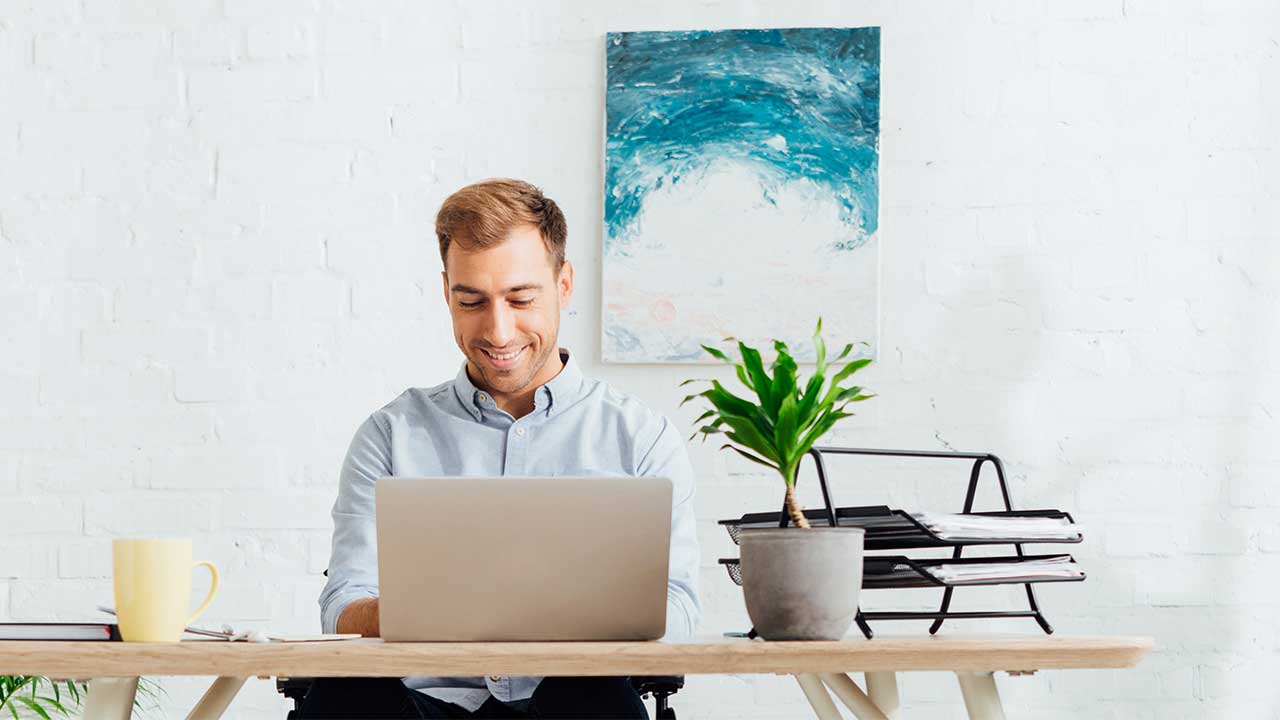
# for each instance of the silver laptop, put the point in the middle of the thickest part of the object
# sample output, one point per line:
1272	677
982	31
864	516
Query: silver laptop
512	558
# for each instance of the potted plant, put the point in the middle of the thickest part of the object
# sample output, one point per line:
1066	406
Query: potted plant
36	696
800	583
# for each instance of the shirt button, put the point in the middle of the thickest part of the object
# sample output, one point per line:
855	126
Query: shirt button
520	432
482	397
495	678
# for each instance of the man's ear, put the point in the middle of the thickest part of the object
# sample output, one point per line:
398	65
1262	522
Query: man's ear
444	279
564	283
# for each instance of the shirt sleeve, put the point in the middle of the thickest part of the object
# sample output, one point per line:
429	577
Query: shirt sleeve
353	559
668	458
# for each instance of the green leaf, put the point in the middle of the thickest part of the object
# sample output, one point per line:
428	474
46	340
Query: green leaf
846	394
784	373
784	435
687	398
819	429
54	703
845	372
780	349
760	380
35	707
727	402
717	353
713	426
704	432
809	408
746	433
749	456
742	377
693	380
820	348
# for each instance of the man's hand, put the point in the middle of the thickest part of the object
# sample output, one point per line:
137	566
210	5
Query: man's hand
361	617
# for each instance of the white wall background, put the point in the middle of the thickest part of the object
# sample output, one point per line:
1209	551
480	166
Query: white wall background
216	258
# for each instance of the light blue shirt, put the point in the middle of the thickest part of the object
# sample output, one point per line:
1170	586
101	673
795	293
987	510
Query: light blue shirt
578	427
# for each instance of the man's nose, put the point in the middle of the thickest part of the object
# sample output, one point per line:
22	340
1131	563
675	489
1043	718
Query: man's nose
501	326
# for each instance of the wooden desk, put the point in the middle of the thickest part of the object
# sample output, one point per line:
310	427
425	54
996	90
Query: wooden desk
114	667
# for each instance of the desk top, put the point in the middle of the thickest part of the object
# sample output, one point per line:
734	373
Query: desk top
707	655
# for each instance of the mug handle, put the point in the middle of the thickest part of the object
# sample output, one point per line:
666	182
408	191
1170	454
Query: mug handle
213	572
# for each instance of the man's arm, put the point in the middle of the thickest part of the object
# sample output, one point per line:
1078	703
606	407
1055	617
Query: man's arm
348	602
361	616
668	458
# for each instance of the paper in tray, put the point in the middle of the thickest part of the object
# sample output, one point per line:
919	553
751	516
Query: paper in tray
890	529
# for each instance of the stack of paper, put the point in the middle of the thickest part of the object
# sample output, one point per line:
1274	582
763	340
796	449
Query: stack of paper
1061	567
965	527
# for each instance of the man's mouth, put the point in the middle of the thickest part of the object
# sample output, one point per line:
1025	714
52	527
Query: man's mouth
504	360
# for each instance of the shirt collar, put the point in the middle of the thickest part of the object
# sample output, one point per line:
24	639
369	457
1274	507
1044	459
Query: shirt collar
556	394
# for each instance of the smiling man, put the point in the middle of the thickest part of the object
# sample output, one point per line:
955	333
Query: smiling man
519	406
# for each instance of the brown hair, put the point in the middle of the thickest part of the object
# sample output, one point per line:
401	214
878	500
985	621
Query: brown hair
481	215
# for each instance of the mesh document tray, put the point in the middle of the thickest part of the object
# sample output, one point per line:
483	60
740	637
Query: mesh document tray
898	571
889	529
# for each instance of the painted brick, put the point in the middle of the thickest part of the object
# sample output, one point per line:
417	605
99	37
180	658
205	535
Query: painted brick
210	87
281	41
40	515
135	513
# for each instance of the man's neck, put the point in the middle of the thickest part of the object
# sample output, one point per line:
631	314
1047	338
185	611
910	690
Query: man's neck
520	404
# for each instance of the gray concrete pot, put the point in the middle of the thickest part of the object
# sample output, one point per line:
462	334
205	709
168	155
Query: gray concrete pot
802	584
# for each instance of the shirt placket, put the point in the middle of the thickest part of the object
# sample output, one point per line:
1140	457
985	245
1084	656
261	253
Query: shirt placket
514	462
517	448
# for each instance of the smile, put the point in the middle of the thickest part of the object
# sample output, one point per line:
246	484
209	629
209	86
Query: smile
506	359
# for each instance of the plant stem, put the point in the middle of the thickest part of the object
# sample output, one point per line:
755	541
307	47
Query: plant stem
794	511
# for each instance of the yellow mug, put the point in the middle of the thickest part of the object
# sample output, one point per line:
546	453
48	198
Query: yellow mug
152	580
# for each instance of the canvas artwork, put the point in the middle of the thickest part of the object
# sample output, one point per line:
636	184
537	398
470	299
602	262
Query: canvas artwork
741	190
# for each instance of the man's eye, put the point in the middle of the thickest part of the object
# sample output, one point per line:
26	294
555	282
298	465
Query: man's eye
478	303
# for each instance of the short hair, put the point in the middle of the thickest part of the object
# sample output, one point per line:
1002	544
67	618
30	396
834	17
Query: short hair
481	215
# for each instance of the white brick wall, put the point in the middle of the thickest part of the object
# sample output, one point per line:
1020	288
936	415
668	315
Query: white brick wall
216	258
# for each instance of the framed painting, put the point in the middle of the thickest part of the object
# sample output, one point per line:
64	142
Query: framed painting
741	190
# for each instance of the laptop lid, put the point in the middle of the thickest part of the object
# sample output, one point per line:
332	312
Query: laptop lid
523	558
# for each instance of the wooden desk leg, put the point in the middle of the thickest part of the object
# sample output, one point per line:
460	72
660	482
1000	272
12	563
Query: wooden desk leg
215	700
817	696
110	698
882	688
852	696
980	695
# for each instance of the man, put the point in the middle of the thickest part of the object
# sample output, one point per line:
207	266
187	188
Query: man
519	406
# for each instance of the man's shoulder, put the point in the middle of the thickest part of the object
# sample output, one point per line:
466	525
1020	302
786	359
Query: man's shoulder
629	407
412	404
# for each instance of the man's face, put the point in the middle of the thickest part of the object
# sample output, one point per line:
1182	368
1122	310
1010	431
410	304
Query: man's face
505	301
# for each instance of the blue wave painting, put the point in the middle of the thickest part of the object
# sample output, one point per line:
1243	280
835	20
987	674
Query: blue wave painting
741	189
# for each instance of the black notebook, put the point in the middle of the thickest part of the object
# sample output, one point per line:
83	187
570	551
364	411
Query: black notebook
59	631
